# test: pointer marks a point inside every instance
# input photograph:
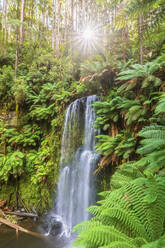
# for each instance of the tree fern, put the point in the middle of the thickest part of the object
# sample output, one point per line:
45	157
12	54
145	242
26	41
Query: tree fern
153	148
102	235
142	75
125	174
120	244
135	210
108	111
160	108
160	243
120	146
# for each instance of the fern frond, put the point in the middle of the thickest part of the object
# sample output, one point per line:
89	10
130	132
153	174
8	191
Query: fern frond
125	220
86	225
99	236
160	108
125	174
119	244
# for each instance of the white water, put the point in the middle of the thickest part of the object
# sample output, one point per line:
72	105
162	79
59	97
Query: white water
76	189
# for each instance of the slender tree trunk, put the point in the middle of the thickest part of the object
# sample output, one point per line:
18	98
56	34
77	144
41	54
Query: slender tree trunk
54	24
22	19
65	22
141	54
58	35
47	20
9	33
17	42
72	15
16	55
4	20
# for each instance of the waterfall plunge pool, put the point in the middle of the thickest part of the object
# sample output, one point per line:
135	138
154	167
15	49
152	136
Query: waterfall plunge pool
8	238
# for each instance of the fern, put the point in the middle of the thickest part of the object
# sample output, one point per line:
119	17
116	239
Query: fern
153	147
121	146
160	243
140	75
131	215
102	235
28	136
125	174
120	244
108	111
160	108
11	164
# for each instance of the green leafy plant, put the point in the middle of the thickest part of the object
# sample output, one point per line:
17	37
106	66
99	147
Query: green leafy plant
28	136
140	74
115	149
152	148
6	82
97	73
11	164
127	217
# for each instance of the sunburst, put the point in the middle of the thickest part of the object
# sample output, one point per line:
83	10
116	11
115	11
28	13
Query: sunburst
89	39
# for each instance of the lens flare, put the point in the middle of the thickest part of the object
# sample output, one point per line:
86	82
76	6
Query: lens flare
89	39
88	34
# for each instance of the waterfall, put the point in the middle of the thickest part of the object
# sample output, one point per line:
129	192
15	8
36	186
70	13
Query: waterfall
76	189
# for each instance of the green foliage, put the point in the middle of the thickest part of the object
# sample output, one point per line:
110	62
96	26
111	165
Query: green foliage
160	108
6	82
128	216
135	111
123	144
152	11
156	244
30	148
142	74
47	68
97	74
11	164
152	148
43	163
20	90
28	136
125	174
132	119
108	111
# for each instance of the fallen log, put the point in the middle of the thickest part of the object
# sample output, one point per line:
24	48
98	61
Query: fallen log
22	214
19	228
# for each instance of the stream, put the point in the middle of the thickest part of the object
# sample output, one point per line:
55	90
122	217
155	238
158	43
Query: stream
8	238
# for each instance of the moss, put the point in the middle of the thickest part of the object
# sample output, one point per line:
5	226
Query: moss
36	185
7	192
36	197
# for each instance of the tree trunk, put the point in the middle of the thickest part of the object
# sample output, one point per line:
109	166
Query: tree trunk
4	20
17	42
22	19
141	53
58	35
19	228
54	24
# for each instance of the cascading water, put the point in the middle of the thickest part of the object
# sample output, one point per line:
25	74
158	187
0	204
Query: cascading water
76	189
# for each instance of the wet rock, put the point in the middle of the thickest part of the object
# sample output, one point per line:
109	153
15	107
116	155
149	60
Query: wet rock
51	225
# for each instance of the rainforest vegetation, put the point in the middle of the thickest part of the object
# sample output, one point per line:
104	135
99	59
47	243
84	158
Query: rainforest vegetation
53	52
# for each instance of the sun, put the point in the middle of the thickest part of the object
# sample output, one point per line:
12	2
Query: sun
88	39
88	34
